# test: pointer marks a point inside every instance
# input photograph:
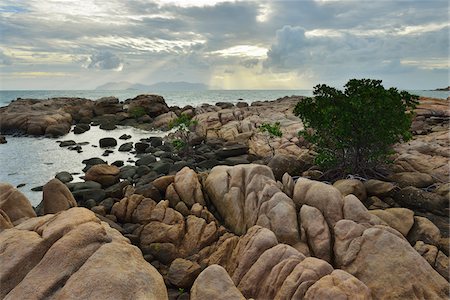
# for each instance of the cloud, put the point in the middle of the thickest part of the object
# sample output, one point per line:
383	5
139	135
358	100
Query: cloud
105	60
5	59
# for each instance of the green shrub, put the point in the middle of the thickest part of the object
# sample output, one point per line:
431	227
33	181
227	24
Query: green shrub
137	112
271	129
183	125
353	130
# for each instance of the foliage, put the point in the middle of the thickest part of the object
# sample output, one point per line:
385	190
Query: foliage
178	144
137	112
354	129
272	129
183	125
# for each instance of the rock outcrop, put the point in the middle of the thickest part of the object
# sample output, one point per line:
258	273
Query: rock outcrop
93	261
56	197
14	204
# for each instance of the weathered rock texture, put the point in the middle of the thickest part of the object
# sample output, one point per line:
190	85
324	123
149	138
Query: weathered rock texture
14	204
73	255
247	195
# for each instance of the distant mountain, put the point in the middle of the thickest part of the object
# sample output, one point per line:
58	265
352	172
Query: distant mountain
160	86
443	89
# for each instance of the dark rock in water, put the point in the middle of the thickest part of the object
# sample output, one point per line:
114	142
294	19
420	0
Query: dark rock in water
159	153
78	186
224	105
93	161
148	191
57	130
107	204
140	147
106	153
108	126
38	188
236	160
75	148
21	185
177	166
166	147
147	178
3	139
125	137
107	142
64	177
151	150
415	198
67	143
81	128
233	150
241	104
281	164
142	170
118	163
90	203
146	160
127	172
156	141
161	167
117	190
208	164
85	194
126	147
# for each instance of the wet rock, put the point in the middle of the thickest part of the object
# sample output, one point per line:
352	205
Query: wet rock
146	160
125	137
81	128
67	143
107	142
140	147
64	177
126	147
3	139
233	150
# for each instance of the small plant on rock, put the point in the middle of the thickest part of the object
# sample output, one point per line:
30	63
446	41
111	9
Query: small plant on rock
272	131
183	125
137	112
354	130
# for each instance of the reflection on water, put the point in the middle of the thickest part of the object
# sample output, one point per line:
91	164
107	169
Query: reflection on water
35	160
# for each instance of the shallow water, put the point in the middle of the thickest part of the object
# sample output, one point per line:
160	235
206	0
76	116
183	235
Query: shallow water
33	161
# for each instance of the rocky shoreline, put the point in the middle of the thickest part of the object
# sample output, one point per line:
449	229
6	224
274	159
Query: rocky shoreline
241	216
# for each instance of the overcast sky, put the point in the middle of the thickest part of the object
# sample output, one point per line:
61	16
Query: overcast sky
63	44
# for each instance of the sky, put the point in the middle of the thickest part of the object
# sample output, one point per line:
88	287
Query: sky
65	44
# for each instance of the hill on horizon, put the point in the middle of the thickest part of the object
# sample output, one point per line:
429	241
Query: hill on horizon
159	86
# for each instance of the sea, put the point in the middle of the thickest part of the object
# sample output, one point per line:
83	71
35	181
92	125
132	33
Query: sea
28	162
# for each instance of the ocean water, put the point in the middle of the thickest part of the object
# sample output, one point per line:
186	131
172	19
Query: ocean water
181	98
33	161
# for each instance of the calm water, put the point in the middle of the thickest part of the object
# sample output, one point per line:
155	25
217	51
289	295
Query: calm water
182	98
34	161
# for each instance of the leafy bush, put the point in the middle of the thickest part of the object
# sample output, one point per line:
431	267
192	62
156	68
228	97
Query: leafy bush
354	129
137	112
271	129
183	125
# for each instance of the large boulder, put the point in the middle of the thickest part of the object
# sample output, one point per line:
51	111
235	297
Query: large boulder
56	197
290	164
316	231
104	174
14	203
416	179
248	195
382	259
322	196
107	105
416	198
153	105
401	219
183	272
94	261
186	188
351	186
215	283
